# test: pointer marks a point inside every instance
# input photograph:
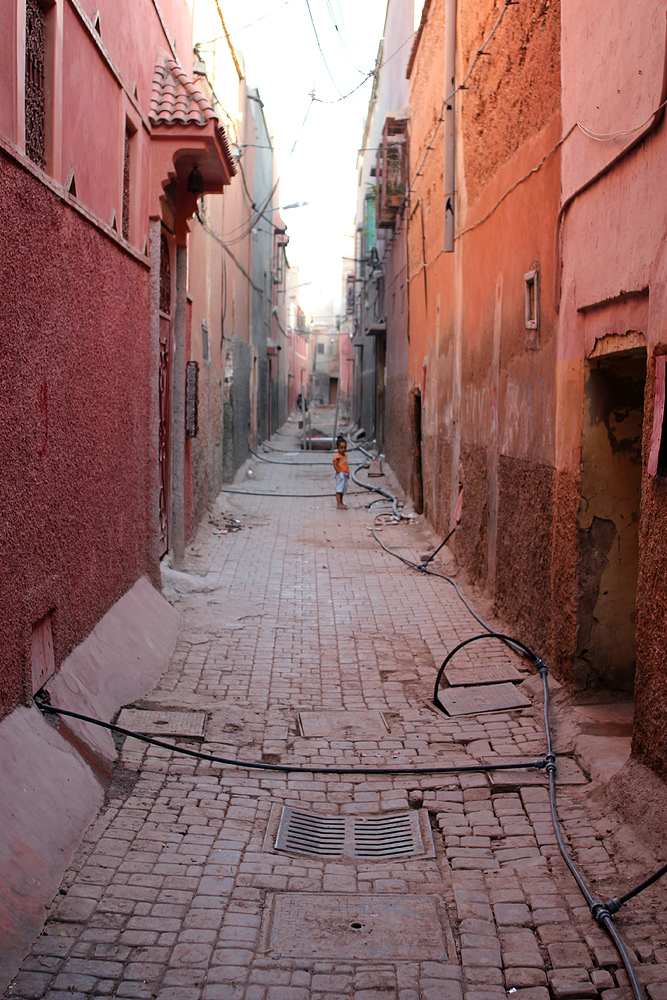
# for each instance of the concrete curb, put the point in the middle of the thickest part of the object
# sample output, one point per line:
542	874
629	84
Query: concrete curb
52	779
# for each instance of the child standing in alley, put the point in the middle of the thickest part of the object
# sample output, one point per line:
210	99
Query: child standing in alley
341	471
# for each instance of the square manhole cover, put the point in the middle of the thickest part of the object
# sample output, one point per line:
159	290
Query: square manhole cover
492	674
343	725
163	723
357	927
368	838
485	698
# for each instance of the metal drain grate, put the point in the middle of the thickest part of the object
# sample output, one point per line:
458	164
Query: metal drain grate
387	836
399	835
305	833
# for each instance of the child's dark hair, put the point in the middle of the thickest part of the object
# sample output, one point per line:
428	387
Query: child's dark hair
340	438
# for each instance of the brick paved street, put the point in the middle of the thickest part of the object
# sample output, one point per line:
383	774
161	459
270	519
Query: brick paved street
178	892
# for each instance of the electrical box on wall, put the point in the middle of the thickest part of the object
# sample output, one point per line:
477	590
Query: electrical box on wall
43	660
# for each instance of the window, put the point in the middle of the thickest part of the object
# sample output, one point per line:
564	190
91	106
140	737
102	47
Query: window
128	172
34	82
531	299
191	398
126	185
370	234
165	277
392	163
205	354
320	348
349	295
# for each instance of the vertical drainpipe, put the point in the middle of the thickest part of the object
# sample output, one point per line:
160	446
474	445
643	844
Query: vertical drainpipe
449	176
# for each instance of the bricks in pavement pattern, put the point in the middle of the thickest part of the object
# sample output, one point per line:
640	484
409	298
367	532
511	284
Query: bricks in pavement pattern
169	893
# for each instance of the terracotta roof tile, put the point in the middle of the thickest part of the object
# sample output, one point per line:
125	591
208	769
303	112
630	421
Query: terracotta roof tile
176	98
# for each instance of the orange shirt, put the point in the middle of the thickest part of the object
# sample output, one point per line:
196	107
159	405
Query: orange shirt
340	463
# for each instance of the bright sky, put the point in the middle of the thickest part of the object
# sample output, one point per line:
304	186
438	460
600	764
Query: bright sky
282	59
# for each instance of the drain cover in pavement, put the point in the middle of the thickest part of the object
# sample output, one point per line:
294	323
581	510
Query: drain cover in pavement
163	723
343	725
486	698
495	674
357	927
367	837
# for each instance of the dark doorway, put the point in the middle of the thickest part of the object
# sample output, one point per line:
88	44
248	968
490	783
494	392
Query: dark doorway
609	516
333	391
380	383
416	426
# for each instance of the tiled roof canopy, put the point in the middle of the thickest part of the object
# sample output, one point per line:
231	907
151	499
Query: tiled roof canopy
175	98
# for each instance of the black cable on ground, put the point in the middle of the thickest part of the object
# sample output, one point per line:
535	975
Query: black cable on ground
421	568
599	910
308	464
423	565
290	496
475	638
281	451
269	462
376	489
614	905
287	768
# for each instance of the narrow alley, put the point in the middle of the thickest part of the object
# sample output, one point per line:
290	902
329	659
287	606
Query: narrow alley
305	644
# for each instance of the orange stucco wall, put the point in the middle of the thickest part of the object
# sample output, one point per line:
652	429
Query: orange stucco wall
487	381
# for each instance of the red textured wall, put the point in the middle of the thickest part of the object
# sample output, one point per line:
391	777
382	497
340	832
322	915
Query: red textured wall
74	420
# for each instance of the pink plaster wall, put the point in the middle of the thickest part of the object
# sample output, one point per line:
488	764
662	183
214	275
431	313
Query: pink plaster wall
7	67
132	33
91	140
614	255
75	422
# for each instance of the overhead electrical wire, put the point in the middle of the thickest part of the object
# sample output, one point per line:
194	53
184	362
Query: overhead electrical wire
317	39
344	97
461	86
236	31
344	47
610	136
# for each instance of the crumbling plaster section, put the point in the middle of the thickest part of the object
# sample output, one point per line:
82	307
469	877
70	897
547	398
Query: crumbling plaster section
610	491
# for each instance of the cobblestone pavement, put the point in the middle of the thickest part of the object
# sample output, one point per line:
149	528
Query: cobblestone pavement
178	892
